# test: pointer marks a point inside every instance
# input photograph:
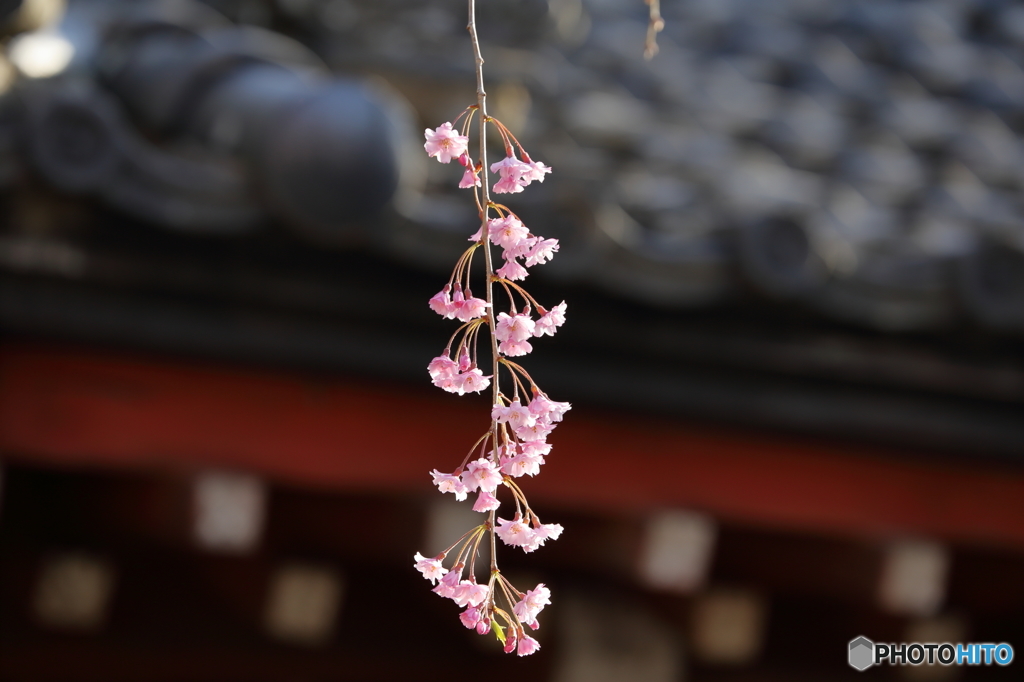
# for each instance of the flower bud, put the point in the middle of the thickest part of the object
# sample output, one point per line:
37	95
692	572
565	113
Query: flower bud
510	641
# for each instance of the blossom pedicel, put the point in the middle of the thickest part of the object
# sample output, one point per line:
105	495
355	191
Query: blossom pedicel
522	416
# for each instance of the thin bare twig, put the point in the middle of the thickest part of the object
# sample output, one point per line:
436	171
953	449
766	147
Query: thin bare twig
654	27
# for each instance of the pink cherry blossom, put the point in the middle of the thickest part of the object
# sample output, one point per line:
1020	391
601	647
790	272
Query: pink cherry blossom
483	626
543	251
535	447
470	617
557	314
538	597
514	533
537	430
515	415
470	179
548	410
441	366
441	303
511	166
550	321
486	501
507	185
458	300
522	464
541	534
445	143
521	248
430	567
514	349
512	270
516	174
482	474
508	466
469	593
507	232
527	645
532	603
530	463
448	584
511	171
514	327
473	381
450	483
510	641
472	308
537	172
449	382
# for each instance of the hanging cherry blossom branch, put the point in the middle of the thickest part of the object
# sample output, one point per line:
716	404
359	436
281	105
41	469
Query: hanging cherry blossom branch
515	442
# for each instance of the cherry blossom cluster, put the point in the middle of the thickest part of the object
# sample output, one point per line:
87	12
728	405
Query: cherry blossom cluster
477	600
522	417
445	143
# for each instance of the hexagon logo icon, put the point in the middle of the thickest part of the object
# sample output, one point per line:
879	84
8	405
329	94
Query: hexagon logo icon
862	653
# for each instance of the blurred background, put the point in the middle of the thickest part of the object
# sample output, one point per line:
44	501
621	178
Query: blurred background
793	252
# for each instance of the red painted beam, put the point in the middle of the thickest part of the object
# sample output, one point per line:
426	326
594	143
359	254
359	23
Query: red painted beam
84	408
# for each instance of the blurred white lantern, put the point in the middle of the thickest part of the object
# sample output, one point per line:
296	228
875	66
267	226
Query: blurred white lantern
229	511
728	626
677	551
73	592
939	629
914	578
302	603
609	639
